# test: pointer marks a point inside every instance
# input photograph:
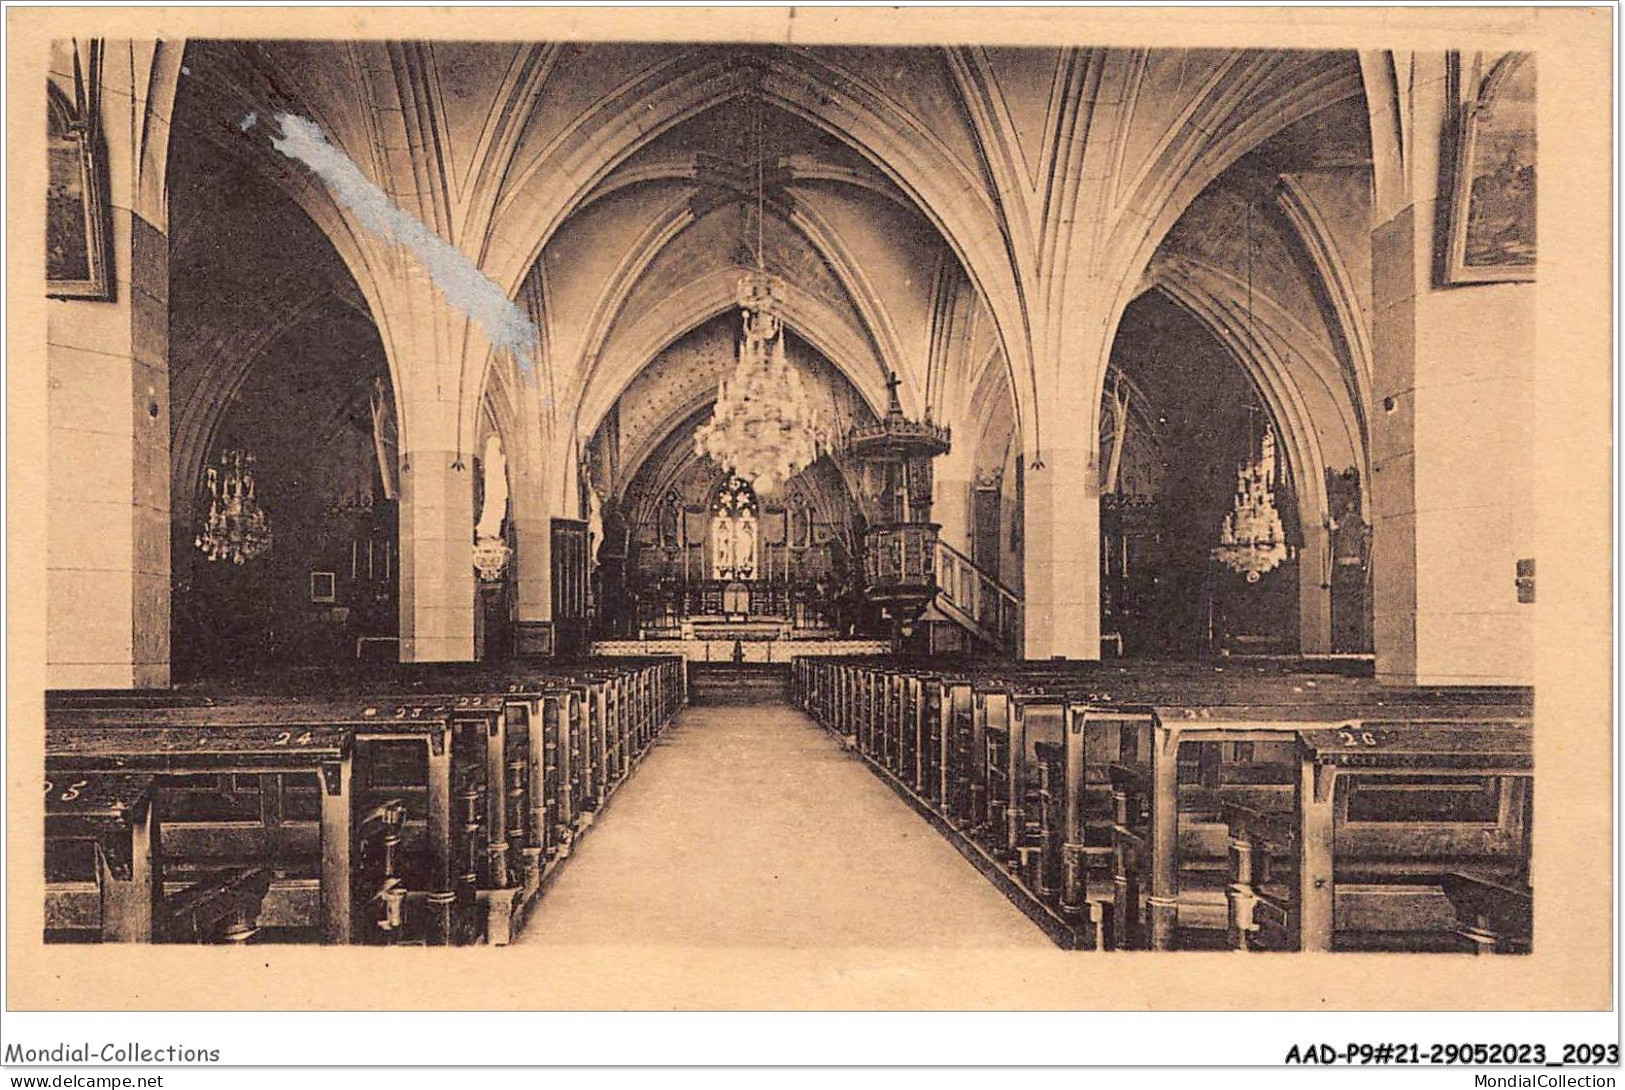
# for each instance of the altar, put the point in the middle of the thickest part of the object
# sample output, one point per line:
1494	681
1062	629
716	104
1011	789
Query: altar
713	648
747	629
676	608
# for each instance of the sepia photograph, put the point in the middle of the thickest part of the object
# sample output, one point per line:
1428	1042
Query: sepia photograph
1068	503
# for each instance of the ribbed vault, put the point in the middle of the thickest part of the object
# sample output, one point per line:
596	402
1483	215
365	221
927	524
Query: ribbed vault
946	214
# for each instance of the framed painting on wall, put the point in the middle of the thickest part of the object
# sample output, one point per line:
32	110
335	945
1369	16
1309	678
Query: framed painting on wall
323	586
76	257
1492	216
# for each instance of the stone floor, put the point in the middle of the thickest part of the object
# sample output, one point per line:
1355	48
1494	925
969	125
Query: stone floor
750	826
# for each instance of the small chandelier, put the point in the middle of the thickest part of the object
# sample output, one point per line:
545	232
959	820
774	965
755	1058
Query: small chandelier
766	426
1252	540
237	528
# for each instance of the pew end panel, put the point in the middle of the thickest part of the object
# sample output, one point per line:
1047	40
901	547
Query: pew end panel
111	889
1382	817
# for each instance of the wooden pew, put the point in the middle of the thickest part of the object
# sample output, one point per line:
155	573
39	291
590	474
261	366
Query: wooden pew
1336	854
885	713
509	710
589	727
914	720
1018	771
1036	711
869	710
1148	858
603	746
118	897
1044	804
861	706
96	744
837	696
223	905
955	710
1038	788
848	712
500	706
546	714
1000	742
504	822
594	722
380	833
467	760
545	811
1017	757
516	840
1496	917
481	800
212	739
809	680
827	692
581	723
930	737
623	712
911	719
590	722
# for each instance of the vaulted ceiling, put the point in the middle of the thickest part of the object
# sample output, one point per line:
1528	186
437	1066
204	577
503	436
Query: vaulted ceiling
947	214
257	297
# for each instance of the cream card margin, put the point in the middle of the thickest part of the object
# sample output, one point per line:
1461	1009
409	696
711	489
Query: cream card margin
1573	860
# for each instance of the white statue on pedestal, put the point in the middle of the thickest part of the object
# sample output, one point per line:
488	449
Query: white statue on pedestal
491	551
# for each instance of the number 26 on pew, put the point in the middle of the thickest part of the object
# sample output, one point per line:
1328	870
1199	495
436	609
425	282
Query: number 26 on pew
1353	740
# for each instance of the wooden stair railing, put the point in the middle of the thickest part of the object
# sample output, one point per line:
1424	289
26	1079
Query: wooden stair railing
982	605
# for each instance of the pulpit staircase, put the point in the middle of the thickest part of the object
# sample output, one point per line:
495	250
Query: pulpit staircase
977	602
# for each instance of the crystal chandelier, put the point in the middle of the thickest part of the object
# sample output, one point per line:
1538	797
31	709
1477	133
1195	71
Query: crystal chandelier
237	528
766	426
1252	540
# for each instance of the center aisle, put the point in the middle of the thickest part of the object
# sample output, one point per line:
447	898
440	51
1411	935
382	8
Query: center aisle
750	826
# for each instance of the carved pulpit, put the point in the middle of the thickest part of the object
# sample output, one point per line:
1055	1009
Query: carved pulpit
900	546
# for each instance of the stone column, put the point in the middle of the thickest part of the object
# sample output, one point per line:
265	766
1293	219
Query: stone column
437	568
1314	591
1452	452
1061	555
953	478
107	362
533	555
108	484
